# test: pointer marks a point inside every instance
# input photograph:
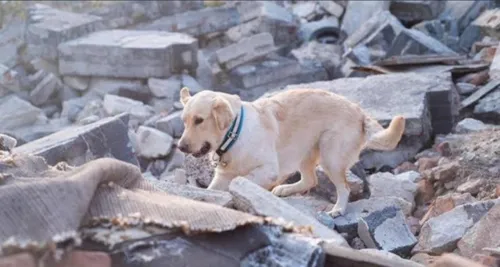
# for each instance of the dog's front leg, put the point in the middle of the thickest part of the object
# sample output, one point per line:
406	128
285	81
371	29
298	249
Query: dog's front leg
264	175
220	181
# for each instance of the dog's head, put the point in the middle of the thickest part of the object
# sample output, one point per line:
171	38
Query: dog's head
207	117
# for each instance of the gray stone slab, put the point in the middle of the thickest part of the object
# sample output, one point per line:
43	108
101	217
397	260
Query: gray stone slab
129	54
17	112
250	197
171	124
246	50
247	246
488	108
386	229
265	16
121	14
464	11
357	12
414	42
48	27
348	223
264	72
80	144
417	10
197	23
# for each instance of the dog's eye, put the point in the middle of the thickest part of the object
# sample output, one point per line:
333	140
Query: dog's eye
198	121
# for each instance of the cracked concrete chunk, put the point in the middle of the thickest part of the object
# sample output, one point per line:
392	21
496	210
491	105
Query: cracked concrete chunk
419	10
385	184
482	235
48	27
387	230
348	223
358	12
441	234
17	113
165	88
78	145
44	89
198	22
246	50
129	54
153	143
171	124
250	197
263	72
114	105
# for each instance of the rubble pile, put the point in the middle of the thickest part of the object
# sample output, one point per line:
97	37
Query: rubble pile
84	82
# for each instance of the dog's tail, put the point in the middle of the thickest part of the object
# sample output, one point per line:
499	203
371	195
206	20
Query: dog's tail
383	139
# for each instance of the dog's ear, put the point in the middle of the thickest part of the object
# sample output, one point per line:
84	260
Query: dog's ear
222	112
185	96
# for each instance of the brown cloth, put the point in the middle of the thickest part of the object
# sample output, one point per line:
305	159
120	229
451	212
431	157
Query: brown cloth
41	204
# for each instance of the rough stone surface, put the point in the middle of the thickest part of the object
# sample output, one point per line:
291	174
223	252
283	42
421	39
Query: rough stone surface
373	39
171	124
106	85
415	42
114	105
44	90
196	23
246	50
165	88
78	145
385	184
359	11
48	27
76	82
326	55
250	197
488	107
483	234
264	72
265	16
269	246
153	143
470	125
446	203
128	54
472	186
417	10
348	223
16	113
7	143
387	230
441	234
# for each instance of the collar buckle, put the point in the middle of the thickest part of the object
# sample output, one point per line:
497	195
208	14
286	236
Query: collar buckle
232	135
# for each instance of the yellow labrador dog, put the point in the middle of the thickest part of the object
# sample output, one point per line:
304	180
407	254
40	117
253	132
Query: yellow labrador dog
271	138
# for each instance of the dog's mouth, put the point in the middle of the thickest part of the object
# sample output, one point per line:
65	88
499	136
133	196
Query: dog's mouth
203	151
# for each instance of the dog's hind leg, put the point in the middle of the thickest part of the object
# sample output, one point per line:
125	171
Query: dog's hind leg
308	178
337	154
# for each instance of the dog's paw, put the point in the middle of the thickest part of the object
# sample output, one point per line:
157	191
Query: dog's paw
282	190
336	211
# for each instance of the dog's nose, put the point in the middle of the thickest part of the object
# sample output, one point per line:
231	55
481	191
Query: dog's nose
184	148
